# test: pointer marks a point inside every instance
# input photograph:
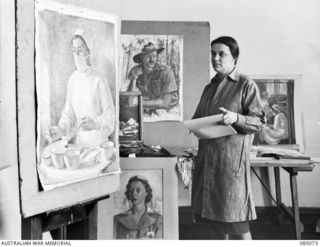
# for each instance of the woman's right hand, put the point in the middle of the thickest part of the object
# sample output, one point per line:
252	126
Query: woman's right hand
228	117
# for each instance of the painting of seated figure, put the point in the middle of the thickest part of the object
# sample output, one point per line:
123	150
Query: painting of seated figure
76	95
277	100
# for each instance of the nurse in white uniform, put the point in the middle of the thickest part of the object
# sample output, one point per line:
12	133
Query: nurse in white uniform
89	112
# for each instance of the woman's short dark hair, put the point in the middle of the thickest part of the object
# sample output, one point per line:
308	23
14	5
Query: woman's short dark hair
146	186
231	43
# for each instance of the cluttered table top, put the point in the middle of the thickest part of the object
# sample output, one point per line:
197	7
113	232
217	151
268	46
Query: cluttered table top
261	156
285	156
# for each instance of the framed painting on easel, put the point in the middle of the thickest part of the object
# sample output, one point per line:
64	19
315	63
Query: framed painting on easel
282	121
68	108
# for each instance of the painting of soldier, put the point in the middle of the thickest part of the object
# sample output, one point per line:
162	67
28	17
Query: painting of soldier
152	65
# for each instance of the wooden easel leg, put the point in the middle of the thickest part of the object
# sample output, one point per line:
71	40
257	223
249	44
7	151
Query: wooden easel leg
59	233
295	203
93	222
86	228
62	231
31	228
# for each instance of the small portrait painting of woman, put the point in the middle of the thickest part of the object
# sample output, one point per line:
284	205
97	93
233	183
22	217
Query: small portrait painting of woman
141	220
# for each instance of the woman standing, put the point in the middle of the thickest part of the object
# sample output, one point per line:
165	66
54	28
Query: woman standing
221	192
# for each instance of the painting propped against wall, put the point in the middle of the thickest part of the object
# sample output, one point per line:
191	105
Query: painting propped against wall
76	80
139	189
146	204
277	97
152	65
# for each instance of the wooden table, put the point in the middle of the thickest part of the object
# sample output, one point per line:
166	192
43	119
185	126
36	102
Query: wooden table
293	167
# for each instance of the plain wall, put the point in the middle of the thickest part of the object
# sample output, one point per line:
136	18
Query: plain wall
9	191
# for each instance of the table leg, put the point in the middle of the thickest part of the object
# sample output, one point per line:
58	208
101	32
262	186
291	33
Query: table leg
295	203
266	178
278	192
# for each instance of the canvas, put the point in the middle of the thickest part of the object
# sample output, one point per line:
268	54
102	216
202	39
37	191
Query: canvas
43	72
277	98
125	206
76	94
164	78
120	212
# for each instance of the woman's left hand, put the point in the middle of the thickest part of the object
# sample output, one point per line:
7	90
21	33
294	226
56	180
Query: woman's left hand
228	117
87	123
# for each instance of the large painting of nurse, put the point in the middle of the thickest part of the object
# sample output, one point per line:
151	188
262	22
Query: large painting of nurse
76	94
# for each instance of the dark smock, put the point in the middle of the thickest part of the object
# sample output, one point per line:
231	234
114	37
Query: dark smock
221	188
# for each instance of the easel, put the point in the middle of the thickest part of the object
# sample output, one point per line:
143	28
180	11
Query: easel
78	222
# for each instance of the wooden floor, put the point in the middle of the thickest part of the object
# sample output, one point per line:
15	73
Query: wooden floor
266	227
